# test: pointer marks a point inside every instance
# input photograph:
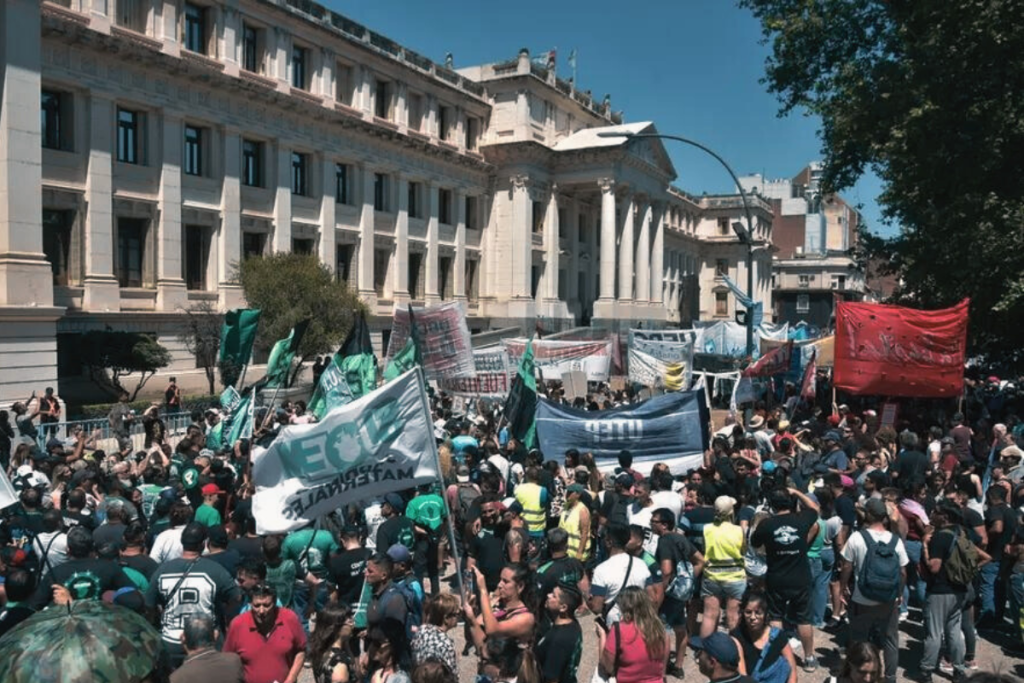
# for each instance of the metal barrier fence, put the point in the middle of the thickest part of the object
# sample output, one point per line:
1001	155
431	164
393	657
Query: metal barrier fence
175	425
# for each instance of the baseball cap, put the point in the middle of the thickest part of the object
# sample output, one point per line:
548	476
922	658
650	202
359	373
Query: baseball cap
724	506
720	646
399	553
575	488
211	490
395	501
833	435
462	474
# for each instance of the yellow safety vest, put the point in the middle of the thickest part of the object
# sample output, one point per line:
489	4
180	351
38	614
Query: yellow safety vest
570	521
723	552
528	496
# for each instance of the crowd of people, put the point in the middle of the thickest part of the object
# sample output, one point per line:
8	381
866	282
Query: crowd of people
835	522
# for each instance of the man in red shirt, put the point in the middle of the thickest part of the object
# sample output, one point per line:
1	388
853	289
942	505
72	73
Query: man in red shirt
269	639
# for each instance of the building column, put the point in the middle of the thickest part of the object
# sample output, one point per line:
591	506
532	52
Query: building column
171	294
101	288
657	292
643	255
283	201
432	296
573	290
551	246
608	249
401	273
626	266
459	197
328	209
522	238
230	247
366	217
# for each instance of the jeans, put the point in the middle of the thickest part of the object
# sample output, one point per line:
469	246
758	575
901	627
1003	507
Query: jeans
1017	602
967	625
989	574
915	584
878	624
821	572
942	615
300	601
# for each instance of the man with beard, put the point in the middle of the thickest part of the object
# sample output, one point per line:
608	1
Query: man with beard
486	547
269	639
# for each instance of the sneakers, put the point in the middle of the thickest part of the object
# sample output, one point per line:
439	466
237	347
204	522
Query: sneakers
904	616
946	667
971	664
810	665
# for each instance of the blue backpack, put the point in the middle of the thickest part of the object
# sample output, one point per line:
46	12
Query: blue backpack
879	577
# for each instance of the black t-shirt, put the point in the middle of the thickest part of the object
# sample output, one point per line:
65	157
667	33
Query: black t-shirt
997	542
144	564
939	548
616	508
912	466
846	510
247	546
84	578
12	616
487	547
675	547
973	520
560	570
109	533
228	559
345	570
25	526
559	652
397	529
694	522
784	538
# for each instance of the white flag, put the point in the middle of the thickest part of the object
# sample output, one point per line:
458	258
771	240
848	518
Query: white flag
8	496
380	443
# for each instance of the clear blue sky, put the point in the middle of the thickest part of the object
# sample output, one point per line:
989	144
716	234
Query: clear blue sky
691	66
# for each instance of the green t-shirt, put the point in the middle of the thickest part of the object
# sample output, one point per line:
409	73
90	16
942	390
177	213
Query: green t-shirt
427	510
282	578
207	516
814	551
315	560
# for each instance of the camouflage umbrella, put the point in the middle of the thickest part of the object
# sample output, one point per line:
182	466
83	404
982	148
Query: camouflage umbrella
91	641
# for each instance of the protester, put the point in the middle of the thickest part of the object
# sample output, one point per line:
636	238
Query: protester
203	662
635	649
440	615
863	664
765	653
387	654
560	648
330	645
269	640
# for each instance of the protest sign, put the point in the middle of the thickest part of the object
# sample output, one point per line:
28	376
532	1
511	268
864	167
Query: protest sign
553	357
575	384
377	444
492	376
670	428
444	339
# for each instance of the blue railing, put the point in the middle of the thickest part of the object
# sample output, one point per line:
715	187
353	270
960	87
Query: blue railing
175	425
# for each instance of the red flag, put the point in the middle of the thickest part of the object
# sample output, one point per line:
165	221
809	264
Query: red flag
809	388
772	363
896	351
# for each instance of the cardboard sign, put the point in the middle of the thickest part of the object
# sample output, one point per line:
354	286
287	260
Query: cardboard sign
574	383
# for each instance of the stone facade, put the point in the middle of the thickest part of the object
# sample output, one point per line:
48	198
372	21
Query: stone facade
178	138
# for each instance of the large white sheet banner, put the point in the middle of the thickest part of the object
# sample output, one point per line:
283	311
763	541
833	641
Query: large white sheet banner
555	357
652	362
443	337
492	380
380	443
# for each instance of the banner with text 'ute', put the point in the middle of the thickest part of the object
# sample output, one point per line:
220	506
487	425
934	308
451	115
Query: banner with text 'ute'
492	376
671	428
379	443
444	339
554	357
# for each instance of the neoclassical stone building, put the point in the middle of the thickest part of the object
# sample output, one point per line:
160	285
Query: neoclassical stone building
147	146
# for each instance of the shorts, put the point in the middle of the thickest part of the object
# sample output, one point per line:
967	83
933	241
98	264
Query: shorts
723	590
673	612
789	605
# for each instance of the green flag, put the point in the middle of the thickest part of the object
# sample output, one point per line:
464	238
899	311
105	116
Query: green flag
410	355
279	365
351	373
238	334
521	404
241	419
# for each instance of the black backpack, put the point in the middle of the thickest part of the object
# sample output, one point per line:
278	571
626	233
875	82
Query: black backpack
879	577
464	497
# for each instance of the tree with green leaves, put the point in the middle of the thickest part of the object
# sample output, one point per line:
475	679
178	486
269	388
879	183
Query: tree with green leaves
929	95
289	288
201	337
110	356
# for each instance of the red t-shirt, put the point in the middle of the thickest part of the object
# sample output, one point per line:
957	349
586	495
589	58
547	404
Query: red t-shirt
635	665
266	659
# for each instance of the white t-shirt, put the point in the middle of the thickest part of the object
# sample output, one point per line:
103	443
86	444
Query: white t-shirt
642	517
610	578
373	518
167	545
668	499
57	544
856	550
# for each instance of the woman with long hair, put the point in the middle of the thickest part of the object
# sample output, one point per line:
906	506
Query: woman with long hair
765	654
386	653
863	664
507	661
635	649
440	615
513	618
329	651
594	481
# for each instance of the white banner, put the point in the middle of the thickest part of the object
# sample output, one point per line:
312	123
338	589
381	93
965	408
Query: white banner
380	443
695	336
555	357
443	337
493	378
651	362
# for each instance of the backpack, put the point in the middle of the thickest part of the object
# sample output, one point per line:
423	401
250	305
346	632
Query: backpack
413	606
682	584
464	498
961	564
879	577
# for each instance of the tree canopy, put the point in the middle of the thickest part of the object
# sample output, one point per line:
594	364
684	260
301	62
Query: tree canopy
929	95
201	336
289	288
109	356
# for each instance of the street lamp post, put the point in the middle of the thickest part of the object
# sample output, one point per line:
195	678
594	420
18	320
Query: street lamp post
747	238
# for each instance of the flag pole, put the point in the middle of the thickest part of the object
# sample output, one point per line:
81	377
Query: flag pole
437	463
